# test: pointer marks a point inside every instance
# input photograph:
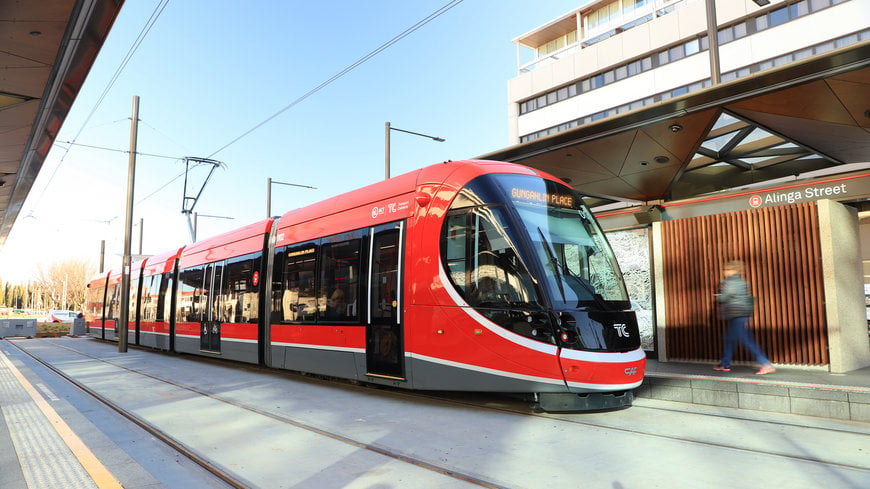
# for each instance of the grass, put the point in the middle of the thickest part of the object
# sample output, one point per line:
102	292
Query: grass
52	330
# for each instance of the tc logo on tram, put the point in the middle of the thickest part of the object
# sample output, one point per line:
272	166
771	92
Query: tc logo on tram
621	330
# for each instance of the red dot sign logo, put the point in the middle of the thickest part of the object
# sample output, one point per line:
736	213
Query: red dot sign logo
755	201
256	278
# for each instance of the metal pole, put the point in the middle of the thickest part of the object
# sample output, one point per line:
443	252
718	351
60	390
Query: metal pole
141	233
194	226
128	231
269	184
268	197
387	161
102	254
713	41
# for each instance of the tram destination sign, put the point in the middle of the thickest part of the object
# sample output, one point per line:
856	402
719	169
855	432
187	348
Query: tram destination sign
539	197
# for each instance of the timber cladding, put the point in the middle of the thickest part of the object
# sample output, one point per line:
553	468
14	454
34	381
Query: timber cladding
781	249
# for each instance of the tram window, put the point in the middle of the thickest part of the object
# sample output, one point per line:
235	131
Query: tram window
296	300
95	303
455	249
189	295
384	293
482	260
134	300
164	301
214	291
277	311
338	293
240	295
149	298
91	302
114	308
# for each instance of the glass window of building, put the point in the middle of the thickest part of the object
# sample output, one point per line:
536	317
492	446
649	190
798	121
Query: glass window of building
778	16
692	47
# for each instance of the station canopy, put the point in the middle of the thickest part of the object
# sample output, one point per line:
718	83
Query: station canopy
798	121
48	47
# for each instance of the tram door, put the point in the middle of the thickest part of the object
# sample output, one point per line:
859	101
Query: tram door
210	328
384	348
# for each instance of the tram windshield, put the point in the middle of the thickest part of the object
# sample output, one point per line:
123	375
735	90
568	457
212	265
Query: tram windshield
565	255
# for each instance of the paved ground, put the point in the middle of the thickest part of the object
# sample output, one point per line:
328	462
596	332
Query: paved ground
272	429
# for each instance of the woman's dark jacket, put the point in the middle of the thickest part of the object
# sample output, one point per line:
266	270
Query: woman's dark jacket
734	299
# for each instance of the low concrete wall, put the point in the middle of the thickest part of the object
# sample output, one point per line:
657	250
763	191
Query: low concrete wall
852	403
18	327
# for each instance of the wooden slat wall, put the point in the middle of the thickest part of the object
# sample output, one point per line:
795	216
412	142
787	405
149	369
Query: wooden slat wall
780	247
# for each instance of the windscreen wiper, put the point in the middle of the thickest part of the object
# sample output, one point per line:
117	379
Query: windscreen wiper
567	271
556	266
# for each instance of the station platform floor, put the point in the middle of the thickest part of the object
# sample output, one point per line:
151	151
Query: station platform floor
263	428
811	391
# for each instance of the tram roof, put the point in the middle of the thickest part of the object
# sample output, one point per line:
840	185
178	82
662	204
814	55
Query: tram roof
48	48
795	122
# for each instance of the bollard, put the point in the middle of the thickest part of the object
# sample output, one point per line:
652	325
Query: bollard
77	328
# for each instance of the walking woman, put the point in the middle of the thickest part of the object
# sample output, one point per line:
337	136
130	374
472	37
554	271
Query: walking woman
735	305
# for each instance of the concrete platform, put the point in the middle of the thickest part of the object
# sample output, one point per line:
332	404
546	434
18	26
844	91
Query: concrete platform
793	390
275	429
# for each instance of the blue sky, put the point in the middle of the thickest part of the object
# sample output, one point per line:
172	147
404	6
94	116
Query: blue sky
209	71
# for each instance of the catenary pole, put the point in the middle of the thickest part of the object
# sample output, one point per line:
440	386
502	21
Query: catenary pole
128	231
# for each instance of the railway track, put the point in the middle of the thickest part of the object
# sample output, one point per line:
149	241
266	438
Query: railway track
623	422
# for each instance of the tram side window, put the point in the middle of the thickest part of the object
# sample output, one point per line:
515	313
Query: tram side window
455	249
276	308
240	297
164	298
483	261
149	298
95	303
214	290
338	295
297	300
134	300
189	295
385	274
114	308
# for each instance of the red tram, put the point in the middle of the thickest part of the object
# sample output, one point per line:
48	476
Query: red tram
473	275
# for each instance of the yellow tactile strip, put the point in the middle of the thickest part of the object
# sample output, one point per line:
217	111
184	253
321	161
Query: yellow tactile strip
50	453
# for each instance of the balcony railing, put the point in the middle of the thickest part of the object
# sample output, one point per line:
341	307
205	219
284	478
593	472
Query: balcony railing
625	21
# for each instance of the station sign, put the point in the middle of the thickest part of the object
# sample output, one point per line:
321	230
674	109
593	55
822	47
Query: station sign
791	195
846	187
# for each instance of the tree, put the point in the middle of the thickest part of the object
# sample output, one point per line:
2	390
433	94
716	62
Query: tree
64	283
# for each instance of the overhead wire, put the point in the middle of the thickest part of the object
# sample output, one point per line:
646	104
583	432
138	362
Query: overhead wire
144	32
335	77
346	70
158	10
103	148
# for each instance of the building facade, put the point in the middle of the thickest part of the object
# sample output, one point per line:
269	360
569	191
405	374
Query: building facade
612	56
805	237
